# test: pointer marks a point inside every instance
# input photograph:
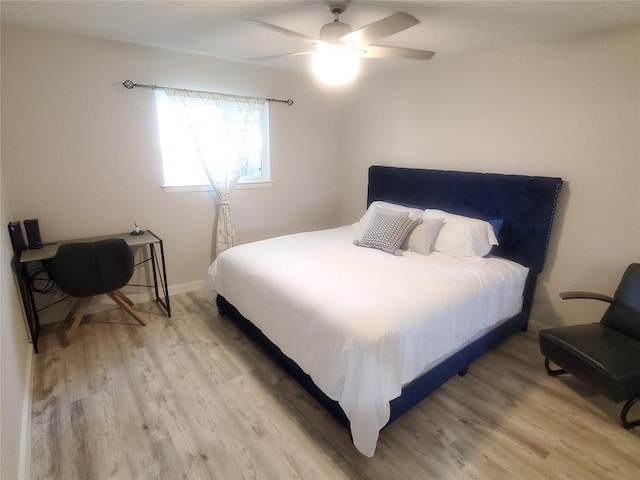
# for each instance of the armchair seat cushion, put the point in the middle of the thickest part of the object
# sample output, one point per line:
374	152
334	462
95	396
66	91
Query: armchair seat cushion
604	358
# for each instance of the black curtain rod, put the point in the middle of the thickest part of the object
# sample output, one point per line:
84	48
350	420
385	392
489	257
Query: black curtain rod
130	85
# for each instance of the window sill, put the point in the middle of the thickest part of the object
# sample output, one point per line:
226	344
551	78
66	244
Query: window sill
209	188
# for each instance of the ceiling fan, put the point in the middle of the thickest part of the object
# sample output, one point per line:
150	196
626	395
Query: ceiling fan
338	38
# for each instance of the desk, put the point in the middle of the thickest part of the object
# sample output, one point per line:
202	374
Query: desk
48	251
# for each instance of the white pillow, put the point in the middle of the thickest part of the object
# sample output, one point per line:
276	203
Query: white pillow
388	209
423	235
462	236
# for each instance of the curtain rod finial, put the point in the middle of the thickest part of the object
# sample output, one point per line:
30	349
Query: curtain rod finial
128	84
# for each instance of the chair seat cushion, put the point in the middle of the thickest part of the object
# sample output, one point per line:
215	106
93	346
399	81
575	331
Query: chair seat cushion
604	358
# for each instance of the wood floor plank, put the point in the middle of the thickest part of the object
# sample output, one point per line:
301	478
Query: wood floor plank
49	432
192	398
96	428
48	371
137	435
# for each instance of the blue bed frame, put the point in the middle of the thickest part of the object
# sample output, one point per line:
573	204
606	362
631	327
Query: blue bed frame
525	204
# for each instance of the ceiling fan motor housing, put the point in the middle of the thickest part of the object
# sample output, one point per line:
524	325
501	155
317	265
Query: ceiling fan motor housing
338	6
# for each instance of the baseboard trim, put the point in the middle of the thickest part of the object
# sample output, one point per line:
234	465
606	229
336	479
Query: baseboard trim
100	305
54	314
536	326
186	287
24	462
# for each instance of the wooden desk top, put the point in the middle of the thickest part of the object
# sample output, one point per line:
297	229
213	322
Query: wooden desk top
49	250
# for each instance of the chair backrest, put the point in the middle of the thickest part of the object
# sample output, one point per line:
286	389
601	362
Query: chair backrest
92	268
623	314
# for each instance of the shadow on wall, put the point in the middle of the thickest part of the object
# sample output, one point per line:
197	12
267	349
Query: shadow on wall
548	309
556	231
544	313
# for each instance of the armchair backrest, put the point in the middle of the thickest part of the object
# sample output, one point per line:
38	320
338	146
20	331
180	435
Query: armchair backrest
92	268
623	314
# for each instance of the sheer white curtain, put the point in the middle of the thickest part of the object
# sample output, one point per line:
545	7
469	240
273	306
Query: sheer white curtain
223	129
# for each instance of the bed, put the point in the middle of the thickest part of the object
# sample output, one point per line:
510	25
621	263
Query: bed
370	334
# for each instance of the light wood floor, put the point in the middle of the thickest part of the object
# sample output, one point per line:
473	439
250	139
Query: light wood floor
190	397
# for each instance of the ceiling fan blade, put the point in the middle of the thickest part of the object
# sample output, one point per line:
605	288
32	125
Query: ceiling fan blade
281	55
377	51
382	28
283	31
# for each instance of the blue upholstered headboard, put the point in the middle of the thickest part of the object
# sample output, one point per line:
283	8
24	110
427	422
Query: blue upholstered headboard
525	204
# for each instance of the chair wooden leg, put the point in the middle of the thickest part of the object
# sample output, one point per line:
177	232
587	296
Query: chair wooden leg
116	296
77	313
69	316
123	297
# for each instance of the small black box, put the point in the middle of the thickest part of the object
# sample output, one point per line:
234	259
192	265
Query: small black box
17	239
33	233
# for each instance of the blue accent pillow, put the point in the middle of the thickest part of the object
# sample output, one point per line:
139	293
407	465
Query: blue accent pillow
496	223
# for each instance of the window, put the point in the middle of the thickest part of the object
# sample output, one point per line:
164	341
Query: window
180	157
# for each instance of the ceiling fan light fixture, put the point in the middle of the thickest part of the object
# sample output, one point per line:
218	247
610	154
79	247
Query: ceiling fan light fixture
336	64
332	31
339	48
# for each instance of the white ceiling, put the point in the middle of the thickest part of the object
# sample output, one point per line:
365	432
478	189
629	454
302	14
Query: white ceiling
450	28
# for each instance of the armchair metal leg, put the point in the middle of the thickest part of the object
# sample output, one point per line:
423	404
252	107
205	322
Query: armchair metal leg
550	371
625	410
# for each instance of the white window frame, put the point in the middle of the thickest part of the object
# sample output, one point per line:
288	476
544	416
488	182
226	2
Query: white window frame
254	181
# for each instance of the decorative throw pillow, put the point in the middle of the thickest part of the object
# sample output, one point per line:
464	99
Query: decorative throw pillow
422	237
387	232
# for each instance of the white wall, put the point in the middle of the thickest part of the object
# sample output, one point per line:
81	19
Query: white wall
81	153
16	363
566	107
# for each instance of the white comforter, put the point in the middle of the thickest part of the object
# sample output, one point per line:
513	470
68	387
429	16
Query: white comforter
361	322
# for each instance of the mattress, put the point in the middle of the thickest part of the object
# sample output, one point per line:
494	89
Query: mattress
360	322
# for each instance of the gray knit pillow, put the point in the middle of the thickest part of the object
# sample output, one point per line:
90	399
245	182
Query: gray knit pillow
423	236
386	233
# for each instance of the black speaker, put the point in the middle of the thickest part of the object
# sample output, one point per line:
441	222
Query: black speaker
33	233
17	239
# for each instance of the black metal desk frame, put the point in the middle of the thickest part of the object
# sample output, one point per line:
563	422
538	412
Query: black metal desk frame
48	251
